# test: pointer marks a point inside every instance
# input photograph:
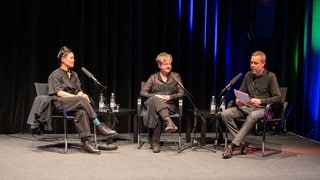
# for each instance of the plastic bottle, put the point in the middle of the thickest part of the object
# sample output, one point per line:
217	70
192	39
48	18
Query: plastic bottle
223	104
101	101
212	105
112	101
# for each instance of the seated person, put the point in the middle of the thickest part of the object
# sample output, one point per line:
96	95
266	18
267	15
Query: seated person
65	85
162	92
262	87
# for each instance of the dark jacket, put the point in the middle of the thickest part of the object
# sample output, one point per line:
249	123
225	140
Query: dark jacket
40	114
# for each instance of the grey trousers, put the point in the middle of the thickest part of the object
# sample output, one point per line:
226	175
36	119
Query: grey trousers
82	109
231	114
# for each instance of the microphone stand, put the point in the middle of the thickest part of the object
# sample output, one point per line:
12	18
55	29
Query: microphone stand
196	114
107	109
101	89
218	109
216	116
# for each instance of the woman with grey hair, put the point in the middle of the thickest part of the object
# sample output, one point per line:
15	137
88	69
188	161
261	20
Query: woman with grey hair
162	91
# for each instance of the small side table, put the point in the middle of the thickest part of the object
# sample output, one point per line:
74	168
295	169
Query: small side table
122	112
206	116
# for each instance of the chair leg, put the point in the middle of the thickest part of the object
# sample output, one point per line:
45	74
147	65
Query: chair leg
95	136
179	134
179	138
264	135
65	135
179	145
139	129
140	142
138	134
226	138
139	146
285	126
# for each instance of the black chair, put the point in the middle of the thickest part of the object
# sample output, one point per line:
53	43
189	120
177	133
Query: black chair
42	90
274	113
175	117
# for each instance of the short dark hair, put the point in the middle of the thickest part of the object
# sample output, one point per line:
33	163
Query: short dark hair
64	50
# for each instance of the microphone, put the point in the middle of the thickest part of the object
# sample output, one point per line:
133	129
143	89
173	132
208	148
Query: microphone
176	80
90	75
234	80
189	95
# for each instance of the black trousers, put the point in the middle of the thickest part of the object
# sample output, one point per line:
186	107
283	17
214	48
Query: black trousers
80	108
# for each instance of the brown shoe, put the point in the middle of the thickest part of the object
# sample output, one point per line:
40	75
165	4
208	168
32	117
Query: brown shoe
171	127
87	146
104	130
228	152
244	148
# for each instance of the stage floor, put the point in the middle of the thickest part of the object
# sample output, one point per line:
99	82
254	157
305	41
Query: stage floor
287	157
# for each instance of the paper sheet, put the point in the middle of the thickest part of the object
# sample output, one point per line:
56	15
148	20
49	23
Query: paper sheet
242	97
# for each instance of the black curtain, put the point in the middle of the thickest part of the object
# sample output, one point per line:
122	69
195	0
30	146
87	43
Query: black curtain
117	40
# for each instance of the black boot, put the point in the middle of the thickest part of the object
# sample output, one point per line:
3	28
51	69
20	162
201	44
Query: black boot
156	144
87	146
104	130
156	138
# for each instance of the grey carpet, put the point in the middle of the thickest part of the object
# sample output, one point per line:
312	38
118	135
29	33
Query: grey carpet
288	157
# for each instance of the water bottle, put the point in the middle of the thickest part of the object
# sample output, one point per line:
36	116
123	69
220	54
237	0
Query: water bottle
112	101
101	102
223	104
212	105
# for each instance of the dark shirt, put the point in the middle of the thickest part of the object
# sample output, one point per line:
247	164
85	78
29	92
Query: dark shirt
155	85
264	87
59	81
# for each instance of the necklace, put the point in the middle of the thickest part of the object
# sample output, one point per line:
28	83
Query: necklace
69	74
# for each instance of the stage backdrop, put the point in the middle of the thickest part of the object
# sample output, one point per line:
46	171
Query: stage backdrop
118	40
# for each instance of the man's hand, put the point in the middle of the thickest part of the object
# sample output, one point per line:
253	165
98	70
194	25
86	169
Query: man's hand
238	103
255	102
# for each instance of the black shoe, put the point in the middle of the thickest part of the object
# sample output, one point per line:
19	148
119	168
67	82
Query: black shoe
104	130
87	146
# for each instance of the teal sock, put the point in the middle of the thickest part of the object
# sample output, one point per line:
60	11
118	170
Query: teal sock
96	122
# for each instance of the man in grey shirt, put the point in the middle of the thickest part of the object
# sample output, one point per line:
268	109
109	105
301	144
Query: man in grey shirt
262	87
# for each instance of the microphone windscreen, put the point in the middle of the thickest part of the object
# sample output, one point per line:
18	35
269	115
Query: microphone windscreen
86	72
235	79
